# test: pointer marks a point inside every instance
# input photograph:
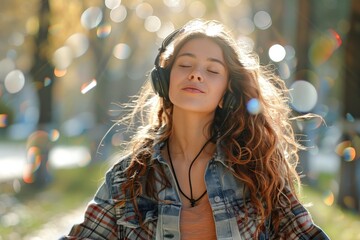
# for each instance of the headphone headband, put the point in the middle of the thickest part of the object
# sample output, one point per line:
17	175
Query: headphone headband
166	43
159	75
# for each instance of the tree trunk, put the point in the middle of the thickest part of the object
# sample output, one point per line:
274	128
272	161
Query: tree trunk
304	17
349	191
42	73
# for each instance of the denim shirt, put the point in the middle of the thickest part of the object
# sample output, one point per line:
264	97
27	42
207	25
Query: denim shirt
111	216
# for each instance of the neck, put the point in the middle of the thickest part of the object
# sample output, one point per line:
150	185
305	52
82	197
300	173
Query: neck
189	133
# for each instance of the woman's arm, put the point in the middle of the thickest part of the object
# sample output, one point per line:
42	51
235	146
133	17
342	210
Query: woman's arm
99	220
296	223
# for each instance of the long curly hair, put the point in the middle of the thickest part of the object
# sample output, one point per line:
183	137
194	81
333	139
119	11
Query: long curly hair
260	146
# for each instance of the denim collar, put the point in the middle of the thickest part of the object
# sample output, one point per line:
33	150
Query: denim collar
219	155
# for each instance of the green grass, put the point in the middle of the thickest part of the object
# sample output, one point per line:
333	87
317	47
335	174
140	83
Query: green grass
336	222
70	189
74	187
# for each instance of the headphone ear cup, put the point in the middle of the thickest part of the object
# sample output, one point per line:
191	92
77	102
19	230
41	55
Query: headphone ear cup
230	102
160	81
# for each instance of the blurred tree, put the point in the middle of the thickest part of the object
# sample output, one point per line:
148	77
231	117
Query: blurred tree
304	18
42	73
349	191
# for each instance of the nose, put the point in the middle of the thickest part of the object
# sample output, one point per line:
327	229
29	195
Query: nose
195	75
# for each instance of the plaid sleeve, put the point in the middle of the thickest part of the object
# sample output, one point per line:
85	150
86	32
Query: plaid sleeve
99	220
297	223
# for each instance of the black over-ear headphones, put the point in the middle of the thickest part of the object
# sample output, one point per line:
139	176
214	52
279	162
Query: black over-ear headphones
160	77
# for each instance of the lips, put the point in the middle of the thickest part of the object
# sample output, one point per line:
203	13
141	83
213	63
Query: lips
192	89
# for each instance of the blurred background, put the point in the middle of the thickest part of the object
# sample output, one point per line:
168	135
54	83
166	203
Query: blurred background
67	66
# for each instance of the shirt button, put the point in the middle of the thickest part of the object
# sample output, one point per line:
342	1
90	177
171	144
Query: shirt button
217	199
169	236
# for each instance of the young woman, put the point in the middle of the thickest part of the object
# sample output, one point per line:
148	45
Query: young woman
206	163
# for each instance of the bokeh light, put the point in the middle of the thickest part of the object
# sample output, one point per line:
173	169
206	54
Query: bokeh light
117	139
32	25
152	23
103	31
341	147
277	53
111	4
91	17
86	87
3	120
165	30
60	72
14	81
245	26
54	135
118	14
253	106
290	52
336	37
284	70
47	81
349	154
303	96
144	10
33	163
62	57
328	198
197	9
78	43
122	51
323	47
262	20
16	185
175	5
232	3
349	117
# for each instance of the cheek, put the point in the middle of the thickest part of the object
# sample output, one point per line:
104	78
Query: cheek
222	88
172	83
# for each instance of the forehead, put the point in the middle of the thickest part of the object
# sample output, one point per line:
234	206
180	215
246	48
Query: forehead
202	47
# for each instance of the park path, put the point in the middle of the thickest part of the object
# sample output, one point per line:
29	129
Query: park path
58	225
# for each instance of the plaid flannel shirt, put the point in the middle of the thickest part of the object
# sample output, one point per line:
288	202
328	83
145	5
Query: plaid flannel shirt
110	216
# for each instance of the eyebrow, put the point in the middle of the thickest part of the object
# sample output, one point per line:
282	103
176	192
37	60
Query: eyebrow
209	59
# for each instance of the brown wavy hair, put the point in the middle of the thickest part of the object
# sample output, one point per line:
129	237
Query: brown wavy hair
260	147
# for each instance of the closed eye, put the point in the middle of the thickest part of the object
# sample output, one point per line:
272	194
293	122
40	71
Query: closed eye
184	66
212	71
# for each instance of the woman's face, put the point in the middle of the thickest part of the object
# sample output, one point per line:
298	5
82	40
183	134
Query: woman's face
199	76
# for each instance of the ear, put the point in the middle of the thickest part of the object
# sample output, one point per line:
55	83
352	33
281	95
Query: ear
221	103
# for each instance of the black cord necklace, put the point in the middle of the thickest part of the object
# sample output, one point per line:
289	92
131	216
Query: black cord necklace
191	198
